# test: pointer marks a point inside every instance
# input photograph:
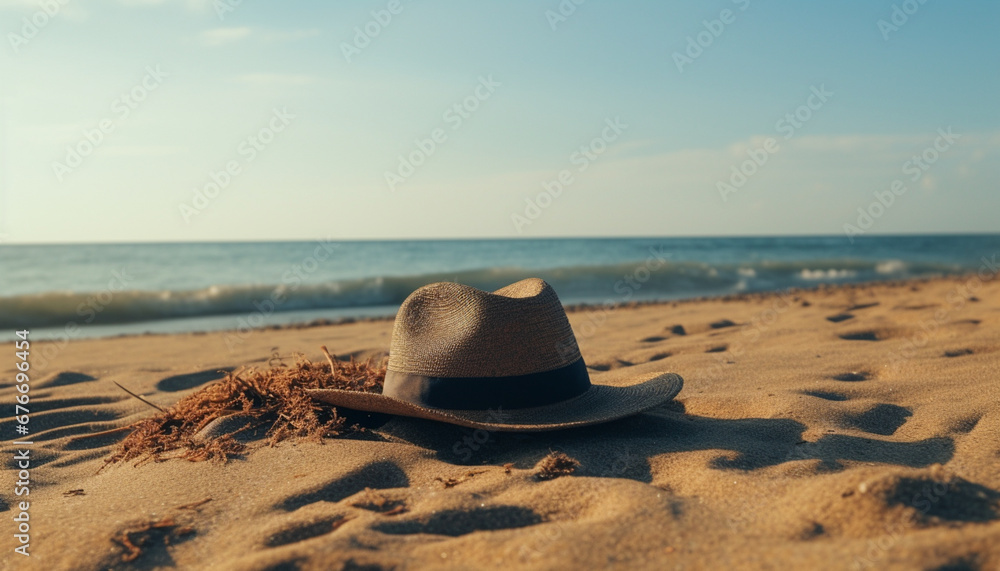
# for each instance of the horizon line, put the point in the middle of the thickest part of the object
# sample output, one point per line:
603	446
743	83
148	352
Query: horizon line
500	238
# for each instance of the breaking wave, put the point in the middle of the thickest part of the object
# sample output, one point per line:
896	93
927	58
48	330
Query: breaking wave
597	284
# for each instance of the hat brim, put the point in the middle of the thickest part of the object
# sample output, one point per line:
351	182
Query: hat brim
607	399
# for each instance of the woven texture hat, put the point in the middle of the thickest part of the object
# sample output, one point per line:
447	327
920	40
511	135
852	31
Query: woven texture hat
500	361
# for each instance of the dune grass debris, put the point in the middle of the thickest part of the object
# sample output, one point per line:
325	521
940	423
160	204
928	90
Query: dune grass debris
554	465
274	399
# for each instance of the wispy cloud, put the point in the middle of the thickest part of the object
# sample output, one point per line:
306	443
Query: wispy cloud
193	5
21	4
143	150
289	35
265	78
220	36
71	11
838	161
858	143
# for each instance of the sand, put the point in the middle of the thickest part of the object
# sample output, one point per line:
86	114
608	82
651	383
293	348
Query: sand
839	428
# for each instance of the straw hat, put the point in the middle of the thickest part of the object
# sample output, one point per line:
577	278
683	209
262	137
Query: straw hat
501	361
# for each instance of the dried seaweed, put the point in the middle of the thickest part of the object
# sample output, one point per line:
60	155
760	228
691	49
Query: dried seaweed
452	482
194	505
554	465
274	399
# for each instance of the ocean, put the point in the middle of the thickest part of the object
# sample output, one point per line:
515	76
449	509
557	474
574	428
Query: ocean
95	290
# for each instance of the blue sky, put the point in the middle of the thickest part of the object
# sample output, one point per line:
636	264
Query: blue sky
313	138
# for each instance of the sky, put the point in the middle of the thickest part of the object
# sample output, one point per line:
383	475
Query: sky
194	120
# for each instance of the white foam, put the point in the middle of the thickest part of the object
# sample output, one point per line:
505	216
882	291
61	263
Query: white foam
827	274
890	267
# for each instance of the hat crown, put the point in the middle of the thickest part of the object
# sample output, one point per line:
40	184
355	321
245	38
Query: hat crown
450	330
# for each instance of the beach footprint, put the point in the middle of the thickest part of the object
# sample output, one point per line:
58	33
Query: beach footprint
852	376
864	335
304	531
607	365
840	317
191	380
376	475
883	419
66	378
958	352
457	522
827	395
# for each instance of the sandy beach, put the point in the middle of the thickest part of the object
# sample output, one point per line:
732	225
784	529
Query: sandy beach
848	427
564	285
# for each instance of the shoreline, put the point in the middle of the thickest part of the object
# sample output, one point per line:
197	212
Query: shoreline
569	307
